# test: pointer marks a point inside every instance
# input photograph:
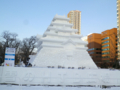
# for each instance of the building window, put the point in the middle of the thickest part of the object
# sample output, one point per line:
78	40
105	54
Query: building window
106	60
94	49
105	49
105	38
95	53
97	48
117	26
96	56
106	53
90	49
98	52
106	57
91	52
105	42
105	45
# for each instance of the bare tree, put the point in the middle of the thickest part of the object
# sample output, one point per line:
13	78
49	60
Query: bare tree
9	40
1	53
23	49
27	47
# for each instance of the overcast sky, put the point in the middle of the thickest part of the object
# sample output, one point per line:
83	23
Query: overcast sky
32	17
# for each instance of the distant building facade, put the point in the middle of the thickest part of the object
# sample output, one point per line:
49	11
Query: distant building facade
103	47
75	19
94	48
118	27
109	45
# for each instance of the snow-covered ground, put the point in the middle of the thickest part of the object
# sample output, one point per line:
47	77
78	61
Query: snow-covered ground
14	87
59	76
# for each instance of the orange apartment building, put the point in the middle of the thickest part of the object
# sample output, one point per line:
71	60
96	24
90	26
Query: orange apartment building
94	48
103	47
109	45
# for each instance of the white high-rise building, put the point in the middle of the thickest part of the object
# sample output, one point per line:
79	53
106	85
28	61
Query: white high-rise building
60	46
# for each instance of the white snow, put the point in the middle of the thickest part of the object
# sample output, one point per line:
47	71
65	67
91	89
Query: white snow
60	46
59	76
13	87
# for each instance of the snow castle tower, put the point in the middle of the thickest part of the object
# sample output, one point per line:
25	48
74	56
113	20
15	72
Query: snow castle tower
60	46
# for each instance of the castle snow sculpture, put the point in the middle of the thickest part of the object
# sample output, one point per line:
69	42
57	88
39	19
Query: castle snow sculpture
60	46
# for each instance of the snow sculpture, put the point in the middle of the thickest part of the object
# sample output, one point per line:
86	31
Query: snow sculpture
60	46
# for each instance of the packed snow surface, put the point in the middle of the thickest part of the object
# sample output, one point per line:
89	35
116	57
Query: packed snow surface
13	87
